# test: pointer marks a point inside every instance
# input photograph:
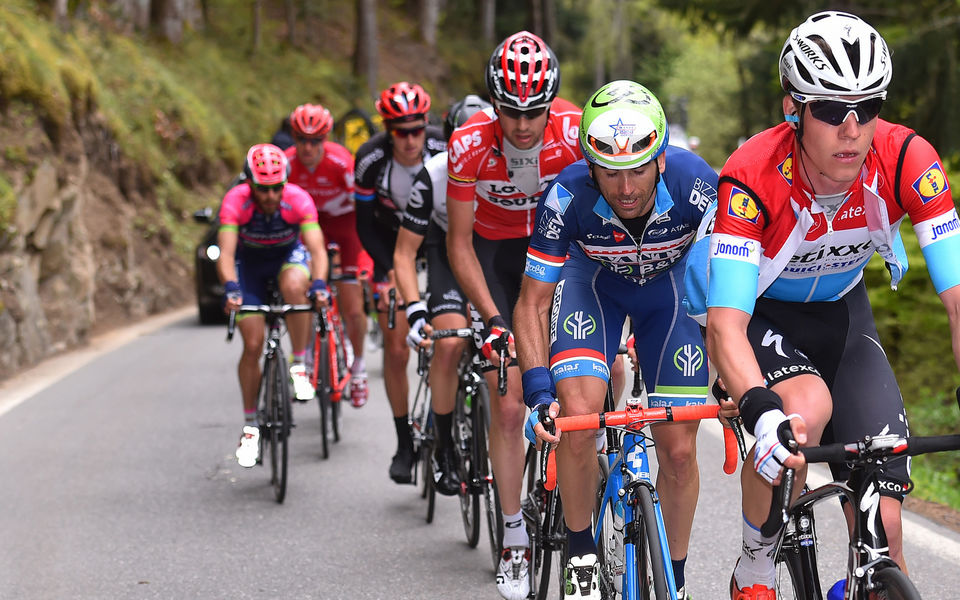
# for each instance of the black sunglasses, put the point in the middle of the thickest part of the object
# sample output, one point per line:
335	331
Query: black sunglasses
277	187
411	132
518	113
834	112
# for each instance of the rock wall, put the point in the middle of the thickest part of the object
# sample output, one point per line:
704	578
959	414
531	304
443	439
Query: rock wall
86	249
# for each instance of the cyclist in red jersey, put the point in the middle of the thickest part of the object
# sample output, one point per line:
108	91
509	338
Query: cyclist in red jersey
386	165
503	161
268	231
325	170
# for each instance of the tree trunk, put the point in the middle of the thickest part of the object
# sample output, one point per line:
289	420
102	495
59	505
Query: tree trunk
365	50
60	16
488	16
257	4
429	18
550	22
291	10
622	68
536	17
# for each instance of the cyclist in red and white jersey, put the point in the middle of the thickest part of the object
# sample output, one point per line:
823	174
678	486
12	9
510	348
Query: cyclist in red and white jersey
502	159
325	170
268	231
801	209
386	165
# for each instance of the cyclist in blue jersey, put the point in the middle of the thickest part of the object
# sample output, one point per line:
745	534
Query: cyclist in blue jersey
611	239
801	209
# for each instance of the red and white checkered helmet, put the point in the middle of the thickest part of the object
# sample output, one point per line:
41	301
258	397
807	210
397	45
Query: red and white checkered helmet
523	72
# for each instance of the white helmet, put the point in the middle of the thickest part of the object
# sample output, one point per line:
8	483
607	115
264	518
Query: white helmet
834	54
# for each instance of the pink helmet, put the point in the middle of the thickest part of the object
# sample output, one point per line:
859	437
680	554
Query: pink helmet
266	165
403	102
311	120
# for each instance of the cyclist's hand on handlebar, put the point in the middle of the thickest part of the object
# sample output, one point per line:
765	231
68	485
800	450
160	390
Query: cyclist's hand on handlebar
778	438
535	428
318	293
631	345
417	318
232	297
729	408
491	342
381	292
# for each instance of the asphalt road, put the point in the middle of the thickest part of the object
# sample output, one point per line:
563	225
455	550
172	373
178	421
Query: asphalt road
119	481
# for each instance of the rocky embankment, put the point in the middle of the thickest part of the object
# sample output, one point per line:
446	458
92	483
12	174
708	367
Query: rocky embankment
86	248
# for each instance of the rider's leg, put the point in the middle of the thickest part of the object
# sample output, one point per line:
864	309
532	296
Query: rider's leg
350	299
507	445
678	481
251	328
294	284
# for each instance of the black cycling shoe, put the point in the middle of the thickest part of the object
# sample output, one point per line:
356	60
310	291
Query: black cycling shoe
401	468
445	476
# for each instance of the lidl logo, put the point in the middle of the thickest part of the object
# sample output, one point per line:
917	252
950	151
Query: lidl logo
786	168
743	206
932	183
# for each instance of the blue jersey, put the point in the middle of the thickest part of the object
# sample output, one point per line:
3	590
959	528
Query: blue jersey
575	220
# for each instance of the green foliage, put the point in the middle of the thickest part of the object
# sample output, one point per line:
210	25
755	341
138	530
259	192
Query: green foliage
8	206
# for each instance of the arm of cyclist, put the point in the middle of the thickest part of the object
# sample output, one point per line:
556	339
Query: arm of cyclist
374	243
532	319
760	408
405	272
227	268
951	302
312	238
463	258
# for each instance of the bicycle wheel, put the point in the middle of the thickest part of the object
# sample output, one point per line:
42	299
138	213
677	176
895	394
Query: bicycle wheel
893	584
610	551
279	427
462	443
544	516
323	395
341	366
797	576
481	458
651	574
426	452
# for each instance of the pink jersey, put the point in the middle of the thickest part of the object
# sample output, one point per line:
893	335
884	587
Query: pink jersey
261	232
478	170
330	184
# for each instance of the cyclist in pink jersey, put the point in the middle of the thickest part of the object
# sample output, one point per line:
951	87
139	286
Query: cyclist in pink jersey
325	170
269	231
502	159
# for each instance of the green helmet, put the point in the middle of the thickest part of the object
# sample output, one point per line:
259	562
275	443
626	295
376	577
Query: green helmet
623	126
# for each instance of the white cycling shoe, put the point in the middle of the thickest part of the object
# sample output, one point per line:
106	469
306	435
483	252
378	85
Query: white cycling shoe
248	452
582	578
513	577
302	389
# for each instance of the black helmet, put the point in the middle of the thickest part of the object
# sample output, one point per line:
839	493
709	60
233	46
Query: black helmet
461	111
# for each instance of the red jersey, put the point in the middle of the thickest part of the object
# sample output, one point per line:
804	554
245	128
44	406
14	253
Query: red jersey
477	170
330	184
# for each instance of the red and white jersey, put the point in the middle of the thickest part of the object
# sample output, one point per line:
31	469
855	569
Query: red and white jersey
330	184
477	170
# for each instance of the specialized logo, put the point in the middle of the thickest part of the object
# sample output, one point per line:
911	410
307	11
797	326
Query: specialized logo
558	199
579	325
688	359
773	339
786	168
932	183
743	206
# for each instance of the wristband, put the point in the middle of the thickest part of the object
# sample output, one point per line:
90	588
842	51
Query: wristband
755	402
416	311
538	387
231	286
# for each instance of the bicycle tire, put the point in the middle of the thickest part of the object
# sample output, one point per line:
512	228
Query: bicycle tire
323	394
549	537
428	481
340	364
280	427
609	551
651	572
893	585
469	495
488	486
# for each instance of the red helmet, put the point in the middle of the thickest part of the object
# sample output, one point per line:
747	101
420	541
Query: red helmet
523	72
311	120
266	165
403	102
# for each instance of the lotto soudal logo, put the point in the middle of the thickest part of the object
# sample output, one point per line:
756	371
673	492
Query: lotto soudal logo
579	325
688	359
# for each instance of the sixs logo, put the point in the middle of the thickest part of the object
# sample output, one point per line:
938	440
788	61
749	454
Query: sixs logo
932	183
743	206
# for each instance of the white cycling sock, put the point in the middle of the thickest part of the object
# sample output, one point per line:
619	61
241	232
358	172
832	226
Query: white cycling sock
756	559
514	533
358	366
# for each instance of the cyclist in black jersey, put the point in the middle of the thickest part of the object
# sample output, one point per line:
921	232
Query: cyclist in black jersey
425	223
385	167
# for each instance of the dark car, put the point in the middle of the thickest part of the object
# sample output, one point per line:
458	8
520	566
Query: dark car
209	288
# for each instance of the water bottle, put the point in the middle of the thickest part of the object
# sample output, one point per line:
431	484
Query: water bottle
837	590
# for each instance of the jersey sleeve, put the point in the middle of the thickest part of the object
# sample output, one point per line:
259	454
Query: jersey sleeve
416	217
462	169
229	215
303	210
926	197
735	248
555	223
365	172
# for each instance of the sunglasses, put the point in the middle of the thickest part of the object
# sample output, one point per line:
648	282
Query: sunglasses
277	187
518	113
835	112
312	141
411	132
